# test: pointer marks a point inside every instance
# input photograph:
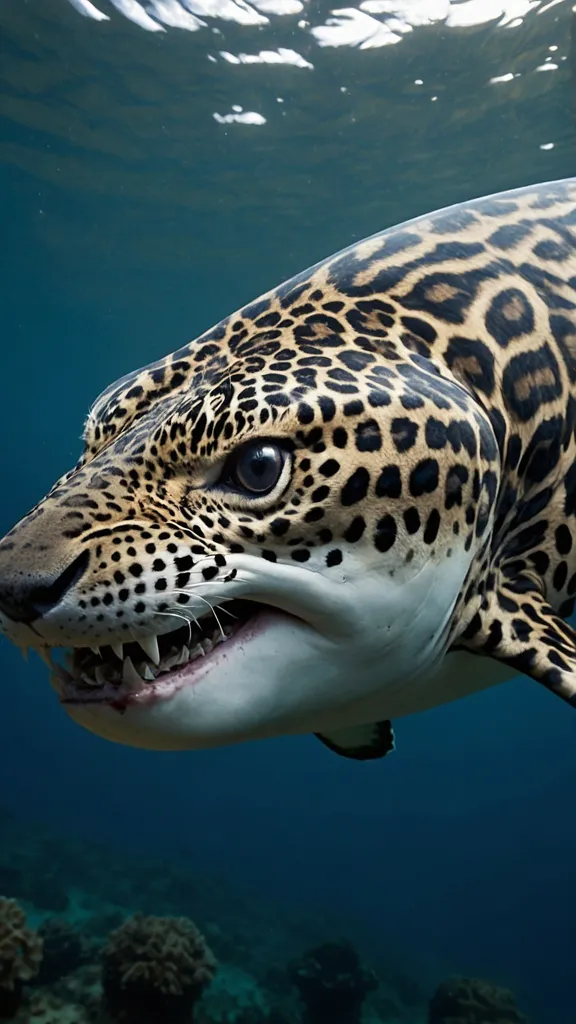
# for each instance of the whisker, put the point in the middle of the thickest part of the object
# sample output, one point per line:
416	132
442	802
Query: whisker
177	615
227	610
213	610
173	593
212	583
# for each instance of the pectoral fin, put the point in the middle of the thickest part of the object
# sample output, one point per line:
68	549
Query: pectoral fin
361	742
517	626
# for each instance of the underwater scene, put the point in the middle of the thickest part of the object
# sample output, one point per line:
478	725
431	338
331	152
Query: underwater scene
247	850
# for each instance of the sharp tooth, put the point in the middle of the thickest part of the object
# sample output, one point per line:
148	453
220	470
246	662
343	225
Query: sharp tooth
207	645
170	661
89	680
149	645
184	656
46	655
148	674
130	675
95	650
195	652
24	653
56	681
118	650
100	675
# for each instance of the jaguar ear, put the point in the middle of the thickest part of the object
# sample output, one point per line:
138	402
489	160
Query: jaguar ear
516	625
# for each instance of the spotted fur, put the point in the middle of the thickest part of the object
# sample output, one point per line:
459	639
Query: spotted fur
423	382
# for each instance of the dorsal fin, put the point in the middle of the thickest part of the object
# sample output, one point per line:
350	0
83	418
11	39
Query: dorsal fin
515	624
360	742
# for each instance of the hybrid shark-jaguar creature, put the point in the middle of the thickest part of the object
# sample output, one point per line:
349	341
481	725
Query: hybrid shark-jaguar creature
352	500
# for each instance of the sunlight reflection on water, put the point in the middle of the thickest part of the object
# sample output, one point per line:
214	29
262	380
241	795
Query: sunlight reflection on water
372	23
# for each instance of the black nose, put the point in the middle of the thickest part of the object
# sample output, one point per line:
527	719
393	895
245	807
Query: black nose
26	597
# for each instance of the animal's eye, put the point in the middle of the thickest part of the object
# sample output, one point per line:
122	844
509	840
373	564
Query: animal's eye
255	468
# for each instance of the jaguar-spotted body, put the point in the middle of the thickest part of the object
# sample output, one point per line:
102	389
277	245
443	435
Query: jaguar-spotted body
352	500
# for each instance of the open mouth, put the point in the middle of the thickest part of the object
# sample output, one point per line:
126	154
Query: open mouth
150	667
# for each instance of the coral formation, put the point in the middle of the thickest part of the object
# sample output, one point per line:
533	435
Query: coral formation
332	983
473	1001
82	988
65	949
100	966
155	969
20	956
235	997
46	1008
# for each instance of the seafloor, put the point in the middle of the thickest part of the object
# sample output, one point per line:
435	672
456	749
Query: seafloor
90	935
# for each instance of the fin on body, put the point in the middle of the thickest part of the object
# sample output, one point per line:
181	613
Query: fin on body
361	742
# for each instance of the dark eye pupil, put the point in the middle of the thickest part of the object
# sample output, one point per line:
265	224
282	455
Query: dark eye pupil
258	468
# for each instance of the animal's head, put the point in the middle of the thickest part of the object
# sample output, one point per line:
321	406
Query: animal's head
266	529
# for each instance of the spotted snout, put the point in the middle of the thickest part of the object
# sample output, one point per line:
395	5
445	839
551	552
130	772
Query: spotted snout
38	566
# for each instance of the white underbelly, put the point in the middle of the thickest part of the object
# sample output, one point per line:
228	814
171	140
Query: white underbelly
459	675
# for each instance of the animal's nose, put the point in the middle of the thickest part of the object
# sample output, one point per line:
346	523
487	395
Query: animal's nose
28	596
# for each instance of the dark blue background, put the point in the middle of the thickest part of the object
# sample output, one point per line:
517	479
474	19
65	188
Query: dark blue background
459	851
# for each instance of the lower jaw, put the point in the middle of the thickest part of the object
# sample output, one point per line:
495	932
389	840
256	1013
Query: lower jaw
262	683
167	685
113	698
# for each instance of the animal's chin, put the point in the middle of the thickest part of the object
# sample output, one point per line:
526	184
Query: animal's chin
154	669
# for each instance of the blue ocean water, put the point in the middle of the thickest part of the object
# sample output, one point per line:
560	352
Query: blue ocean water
133	218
